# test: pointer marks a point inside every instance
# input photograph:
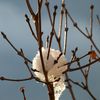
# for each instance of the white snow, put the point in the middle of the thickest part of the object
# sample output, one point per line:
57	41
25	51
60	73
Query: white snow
54	70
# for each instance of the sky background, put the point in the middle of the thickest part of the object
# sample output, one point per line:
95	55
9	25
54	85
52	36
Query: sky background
12	22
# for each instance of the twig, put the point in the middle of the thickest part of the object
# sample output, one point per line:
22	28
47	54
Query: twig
18	52
65	33
47	42
34	16
61	20
93	43
91	20
15	80
85	75
83	87
23	92
91	29
30	9
79	58
28	21
52	32
87	32
2	78
56	60
70	87
67	79
23	79
26	63
78	62
75	24
76	83
49	14
78	28
84	66
98	19
91	94
48	10
61	24
90	59
91	40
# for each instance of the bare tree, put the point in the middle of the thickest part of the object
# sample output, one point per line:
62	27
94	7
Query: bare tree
60	68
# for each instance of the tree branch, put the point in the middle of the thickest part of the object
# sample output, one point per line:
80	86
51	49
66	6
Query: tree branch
17	51
84	66
52	32
23	92
70	87
65	33
28	21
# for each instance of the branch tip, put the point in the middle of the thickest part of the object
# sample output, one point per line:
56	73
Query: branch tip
92	7
22	89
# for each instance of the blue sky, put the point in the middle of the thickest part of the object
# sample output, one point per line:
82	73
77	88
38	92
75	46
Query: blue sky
12	22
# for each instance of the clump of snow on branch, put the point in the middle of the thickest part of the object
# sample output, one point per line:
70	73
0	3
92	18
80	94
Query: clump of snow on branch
54	67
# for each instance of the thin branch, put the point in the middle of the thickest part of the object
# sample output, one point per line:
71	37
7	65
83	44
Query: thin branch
15	80
98	19
78	28
84	66
23	92
79	58
28	21
83	87
87	32
40	2
93	97
61	24
76	83
23	79
39	32
86	74
93	43
91	20
17	51
59	56
56	60
34	16
48	10
70	87
61	20
65	33
26	63
30	9
50	44
78	63
52	32
67	77
88	69
75	24
47	42
91	40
